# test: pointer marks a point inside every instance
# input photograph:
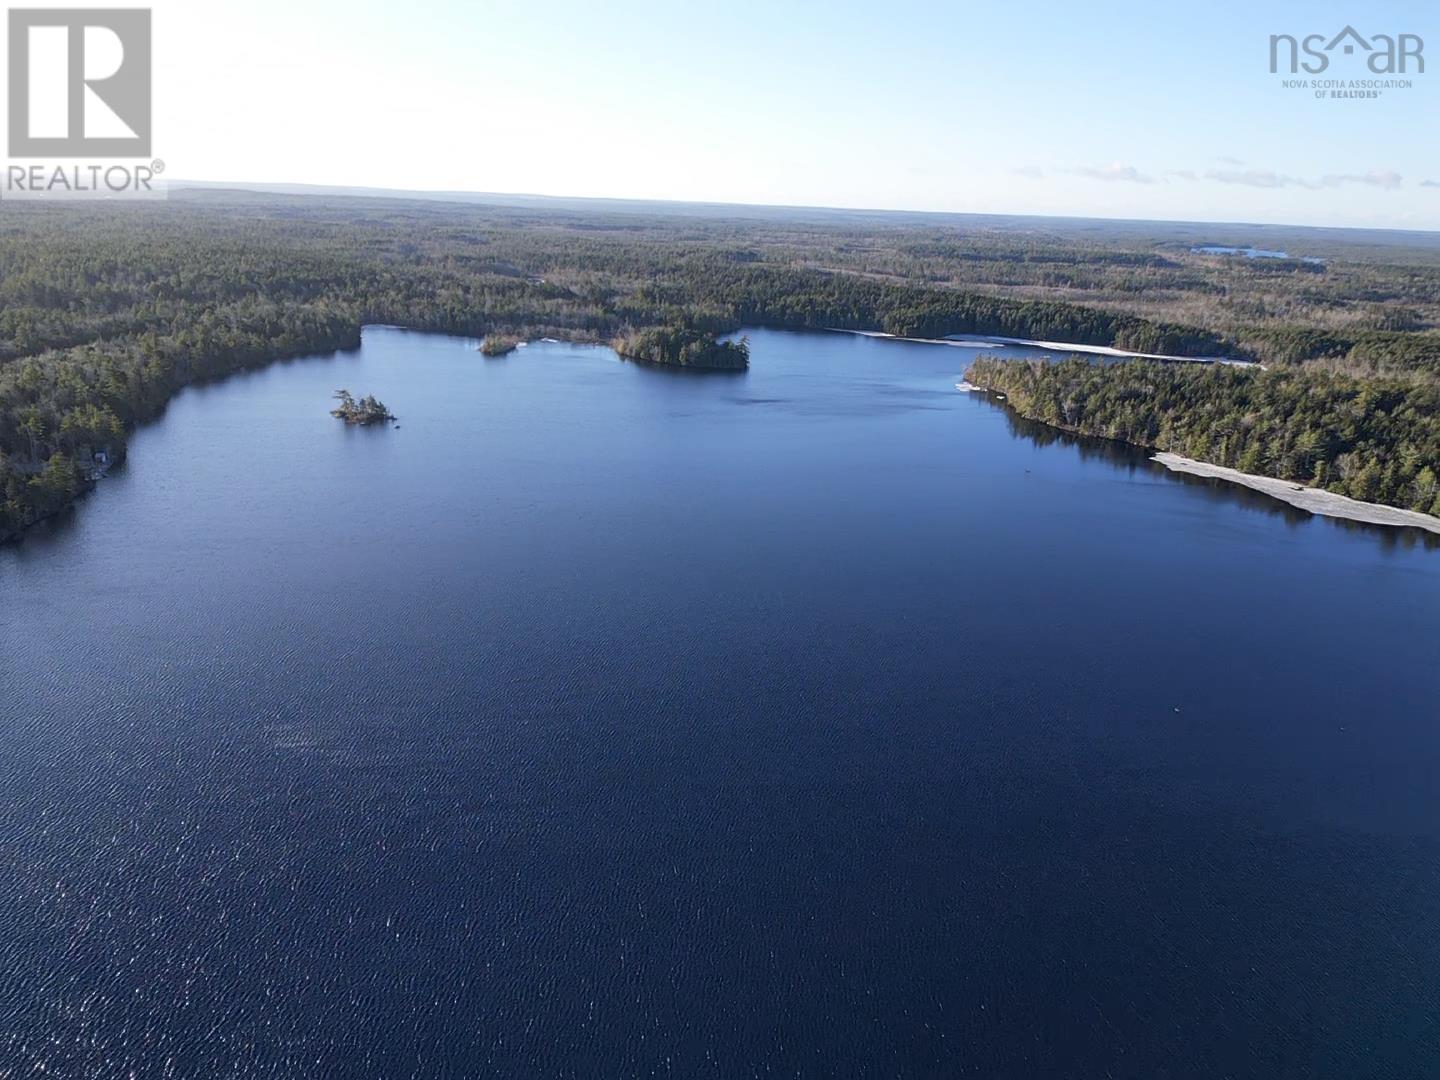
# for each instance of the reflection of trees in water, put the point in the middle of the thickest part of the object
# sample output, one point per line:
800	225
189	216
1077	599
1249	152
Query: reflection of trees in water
682	371
1133	459
1121	455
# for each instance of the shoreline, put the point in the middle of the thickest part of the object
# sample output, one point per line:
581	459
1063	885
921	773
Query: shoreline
992	342
1315	500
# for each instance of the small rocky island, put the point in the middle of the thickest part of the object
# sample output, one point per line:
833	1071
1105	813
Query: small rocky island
498	345
684	347
368	410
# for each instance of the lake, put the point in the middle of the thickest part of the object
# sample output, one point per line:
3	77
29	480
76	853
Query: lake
605	720
1248	252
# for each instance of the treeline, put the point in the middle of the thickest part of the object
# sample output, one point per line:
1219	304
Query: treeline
774	296
1377	440
1366	352
59	409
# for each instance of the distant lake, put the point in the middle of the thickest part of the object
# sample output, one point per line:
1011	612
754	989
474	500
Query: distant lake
1249	252
605	720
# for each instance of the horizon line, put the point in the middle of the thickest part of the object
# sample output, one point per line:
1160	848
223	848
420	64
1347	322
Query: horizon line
301	188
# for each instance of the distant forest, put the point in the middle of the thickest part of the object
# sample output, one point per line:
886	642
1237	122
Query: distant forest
106	312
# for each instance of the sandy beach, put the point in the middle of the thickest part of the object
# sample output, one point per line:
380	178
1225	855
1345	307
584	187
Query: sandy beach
1325	503
986	342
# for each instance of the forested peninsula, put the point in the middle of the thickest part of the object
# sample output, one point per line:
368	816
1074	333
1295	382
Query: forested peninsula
1375	440
107	311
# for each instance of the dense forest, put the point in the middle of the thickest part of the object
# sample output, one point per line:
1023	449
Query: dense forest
1371	439
107	311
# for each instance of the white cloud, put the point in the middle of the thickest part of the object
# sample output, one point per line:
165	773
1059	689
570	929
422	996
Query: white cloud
1388	179
1260	178
1115	171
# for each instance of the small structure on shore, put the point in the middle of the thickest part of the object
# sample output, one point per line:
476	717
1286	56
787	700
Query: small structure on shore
368	410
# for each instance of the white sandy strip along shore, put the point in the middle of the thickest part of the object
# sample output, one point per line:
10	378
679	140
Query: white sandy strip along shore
984	342
1325	503
1316	501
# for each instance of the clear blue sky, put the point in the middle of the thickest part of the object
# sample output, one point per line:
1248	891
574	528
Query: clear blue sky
1134	109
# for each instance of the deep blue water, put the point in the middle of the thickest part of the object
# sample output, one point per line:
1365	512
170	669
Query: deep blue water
605	721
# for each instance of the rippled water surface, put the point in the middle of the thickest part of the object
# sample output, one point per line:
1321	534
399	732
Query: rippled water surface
606	721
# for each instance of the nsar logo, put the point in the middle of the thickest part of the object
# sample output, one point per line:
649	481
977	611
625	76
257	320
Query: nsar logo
1384	55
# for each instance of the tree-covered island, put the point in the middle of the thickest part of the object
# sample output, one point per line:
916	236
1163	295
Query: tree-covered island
368	410
684	347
